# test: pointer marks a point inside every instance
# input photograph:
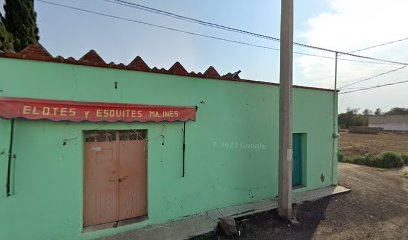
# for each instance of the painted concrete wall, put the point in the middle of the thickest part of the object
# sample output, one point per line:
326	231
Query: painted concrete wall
231	150
389	122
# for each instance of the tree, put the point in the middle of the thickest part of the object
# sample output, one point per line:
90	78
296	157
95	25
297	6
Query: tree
20	21
367	112
397	111
354	111
378	111
352	118
6	39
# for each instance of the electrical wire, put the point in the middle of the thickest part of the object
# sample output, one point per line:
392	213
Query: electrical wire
180	17
380	45
372	77
347	97
203	35
342	59
154	25
169	14
377	86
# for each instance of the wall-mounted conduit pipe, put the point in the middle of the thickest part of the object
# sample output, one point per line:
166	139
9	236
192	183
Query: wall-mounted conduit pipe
10	158
184	147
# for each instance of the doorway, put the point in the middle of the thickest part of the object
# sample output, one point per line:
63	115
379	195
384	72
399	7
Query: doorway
297	160
115	176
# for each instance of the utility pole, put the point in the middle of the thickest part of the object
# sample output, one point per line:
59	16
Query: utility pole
285	110
335	134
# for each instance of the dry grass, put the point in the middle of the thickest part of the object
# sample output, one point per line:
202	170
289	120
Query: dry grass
353	144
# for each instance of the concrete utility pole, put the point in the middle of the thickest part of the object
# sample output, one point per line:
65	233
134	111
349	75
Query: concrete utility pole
335	134
285	110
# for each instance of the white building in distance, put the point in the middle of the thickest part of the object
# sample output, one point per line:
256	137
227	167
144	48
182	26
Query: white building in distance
389	122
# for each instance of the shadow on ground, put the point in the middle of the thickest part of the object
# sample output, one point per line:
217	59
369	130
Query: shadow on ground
267	225
376	208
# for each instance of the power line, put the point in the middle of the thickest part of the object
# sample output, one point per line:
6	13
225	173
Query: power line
355	95
377	86
372	77
380	45
342	59
173	15
154	25
205	23
198	34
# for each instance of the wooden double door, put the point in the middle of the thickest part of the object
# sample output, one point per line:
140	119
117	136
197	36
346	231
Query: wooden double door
115	176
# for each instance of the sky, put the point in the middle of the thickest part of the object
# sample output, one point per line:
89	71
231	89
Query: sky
343	25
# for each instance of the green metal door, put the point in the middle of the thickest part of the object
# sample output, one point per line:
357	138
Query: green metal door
297	159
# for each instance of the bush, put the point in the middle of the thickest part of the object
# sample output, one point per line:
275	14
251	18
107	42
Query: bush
405	158
391	160
372	160
341	157
386	160
359	160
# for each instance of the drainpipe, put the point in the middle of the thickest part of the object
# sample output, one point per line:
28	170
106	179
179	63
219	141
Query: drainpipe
10	158
184	149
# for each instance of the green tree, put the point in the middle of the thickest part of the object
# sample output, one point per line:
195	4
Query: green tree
20	21
347	119
6	39
352	118
397	111
378	111
367	112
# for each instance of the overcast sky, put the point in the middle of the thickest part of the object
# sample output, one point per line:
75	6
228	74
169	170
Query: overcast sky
344	25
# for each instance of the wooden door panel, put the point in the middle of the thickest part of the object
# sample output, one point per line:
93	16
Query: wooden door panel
132	179
100	183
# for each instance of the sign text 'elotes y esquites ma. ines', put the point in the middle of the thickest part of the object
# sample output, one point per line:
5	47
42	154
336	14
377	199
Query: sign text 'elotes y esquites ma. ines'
58	110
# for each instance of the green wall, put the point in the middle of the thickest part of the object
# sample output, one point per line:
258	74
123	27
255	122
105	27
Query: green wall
222	167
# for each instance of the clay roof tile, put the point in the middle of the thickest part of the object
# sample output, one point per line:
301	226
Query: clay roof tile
138	64
36	50
93	58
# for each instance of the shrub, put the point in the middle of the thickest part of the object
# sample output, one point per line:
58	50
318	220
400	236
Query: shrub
391	160
341	157
386	160
359	160
405	158
373	160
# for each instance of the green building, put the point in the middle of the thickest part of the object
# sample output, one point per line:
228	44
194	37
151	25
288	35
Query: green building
214	145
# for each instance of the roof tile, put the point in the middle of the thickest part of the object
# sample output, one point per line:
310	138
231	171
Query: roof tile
36	50
92	57
211	73
178	69
138	64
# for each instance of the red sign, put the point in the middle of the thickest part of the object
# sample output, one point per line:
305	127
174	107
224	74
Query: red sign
56	110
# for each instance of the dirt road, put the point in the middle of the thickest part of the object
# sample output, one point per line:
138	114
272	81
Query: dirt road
376	208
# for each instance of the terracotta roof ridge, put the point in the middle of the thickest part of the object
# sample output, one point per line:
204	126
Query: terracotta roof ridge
92	57
37	52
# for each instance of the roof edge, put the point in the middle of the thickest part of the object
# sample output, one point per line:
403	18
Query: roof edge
136	65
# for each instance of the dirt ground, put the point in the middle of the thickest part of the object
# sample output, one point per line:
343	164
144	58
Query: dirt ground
376	208
353	144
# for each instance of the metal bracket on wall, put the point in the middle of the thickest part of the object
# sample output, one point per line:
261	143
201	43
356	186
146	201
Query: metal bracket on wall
10	158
